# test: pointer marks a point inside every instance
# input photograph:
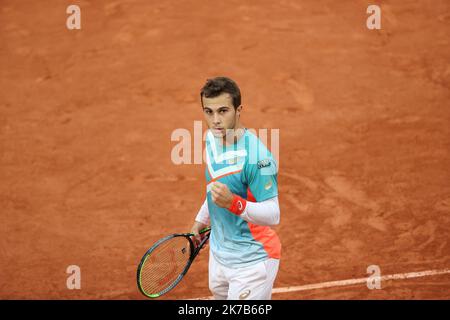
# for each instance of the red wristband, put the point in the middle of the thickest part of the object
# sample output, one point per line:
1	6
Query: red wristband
238	205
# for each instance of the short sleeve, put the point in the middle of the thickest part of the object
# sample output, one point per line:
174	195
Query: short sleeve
261	177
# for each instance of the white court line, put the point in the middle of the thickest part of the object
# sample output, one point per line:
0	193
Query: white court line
348	282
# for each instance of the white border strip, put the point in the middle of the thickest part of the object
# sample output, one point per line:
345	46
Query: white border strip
348	282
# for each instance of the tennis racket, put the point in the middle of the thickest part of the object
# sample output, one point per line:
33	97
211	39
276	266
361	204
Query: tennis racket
164	265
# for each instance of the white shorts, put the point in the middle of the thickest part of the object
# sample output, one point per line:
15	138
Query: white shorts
249	283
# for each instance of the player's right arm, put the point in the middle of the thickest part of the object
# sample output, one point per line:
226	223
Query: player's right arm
201	222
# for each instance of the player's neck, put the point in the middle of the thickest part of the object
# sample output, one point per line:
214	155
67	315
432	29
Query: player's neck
237	132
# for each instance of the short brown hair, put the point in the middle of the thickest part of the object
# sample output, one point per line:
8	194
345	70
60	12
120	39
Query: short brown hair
218	85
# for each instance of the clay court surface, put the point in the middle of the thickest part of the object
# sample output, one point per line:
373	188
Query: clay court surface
86	117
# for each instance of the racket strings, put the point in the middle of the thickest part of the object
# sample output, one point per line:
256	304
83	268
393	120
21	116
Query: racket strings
159	271
161	262
164	264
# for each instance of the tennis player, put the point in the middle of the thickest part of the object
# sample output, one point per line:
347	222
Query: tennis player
241	200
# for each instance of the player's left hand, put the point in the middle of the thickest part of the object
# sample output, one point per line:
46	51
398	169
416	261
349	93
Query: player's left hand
221	195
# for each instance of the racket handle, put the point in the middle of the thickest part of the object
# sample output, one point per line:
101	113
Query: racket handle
205	230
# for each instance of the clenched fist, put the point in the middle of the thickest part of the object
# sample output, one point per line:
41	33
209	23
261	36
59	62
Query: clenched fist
221	195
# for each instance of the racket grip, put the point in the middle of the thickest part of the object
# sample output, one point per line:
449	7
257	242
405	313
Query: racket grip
205	230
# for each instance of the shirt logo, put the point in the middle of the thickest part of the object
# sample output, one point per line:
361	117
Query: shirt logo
263	163
268	185
244	295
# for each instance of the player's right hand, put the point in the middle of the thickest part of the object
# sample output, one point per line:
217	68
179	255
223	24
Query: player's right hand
197	237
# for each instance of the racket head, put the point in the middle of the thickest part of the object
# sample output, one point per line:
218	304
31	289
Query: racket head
163	265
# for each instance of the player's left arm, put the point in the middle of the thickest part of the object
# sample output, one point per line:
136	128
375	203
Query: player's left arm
265	213
261	178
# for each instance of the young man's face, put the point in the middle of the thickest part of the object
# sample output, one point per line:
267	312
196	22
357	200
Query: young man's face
220	114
